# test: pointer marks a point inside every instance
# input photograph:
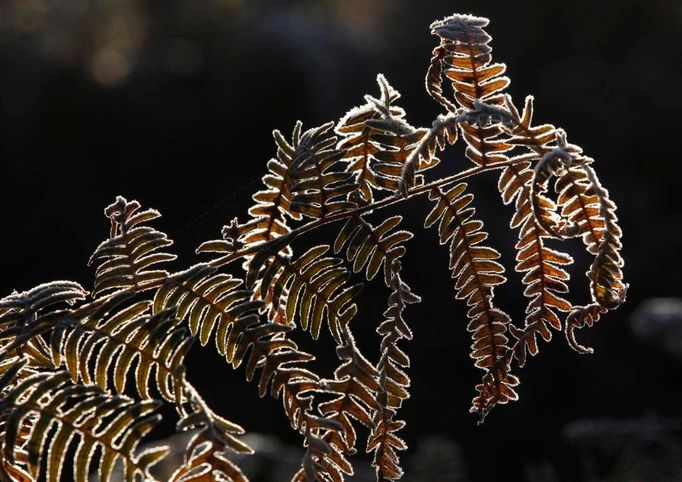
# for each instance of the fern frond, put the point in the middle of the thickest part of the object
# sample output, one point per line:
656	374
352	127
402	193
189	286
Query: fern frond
19	309
112	426
464	57
123	260
393	380
315	288
580	207
205	457
605	273
273	208
127	341
371	247
356	138
443	132
322	461
434	77
14	370
319	190
25	315
377	140
354	388
544	275
477	272
478	87
467	63
210	302
536	138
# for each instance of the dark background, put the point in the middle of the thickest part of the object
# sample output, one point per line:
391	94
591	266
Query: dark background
173	103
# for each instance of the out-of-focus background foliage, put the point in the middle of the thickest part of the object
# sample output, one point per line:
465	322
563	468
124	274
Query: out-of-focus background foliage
173	102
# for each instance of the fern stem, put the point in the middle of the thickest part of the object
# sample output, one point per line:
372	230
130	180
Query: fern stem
383	203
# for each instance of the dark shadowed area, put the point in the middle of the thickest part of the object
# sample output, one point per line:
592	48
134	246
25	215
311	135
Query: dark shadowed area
173	103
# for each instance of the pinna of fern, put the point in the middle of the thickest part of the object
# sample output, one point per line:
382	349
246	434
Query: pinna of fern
88	366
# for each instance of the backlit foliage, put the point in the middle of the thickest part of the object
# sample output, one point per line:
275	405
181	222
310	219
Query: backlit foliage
83	372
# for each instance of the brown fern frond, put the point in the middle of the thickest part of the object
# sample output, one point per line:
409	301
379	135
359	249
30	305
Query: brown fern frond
544	275
123	259
322	461
580	207
477	271
357	138
398	140
605	273
205	457
315	287
13	370
318	189
127	341
19	309
573	213
393	381
354	388
208	300
288	380
371	247
378	140
109	426
486	141
211	303
443	132
464	57
478	87
25	315
536	138
467	63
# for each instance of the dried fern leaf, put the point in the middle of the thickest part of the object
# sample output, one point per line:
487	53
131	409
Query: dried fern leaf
544	275
109	426
123	260
580	207
127	341
212	304
393	381
477	271
467	63
274	204
315	287
464	57
322	461
354	389
377	140
478	87
19	309
443	132
205	454
605	273
319	189
25	315
369	247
